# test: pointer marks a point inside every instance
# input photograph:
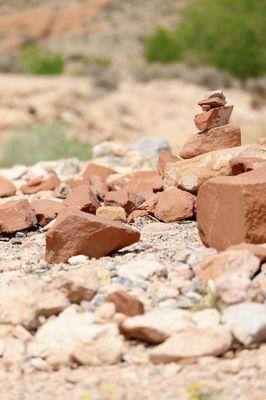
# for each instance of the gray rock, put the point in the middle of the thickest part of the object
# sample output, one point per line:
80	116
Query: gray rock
150	145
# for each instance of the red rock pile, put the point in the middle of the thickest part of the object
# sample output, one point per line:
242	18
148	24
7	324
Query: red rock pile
215	132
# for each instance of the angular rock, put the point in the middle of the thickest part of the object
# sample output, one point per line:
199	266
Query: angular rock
247	322
74	337
146	208
122	198
193	343
157	325
257	251
232	210
213	118
125	303
76	232
6	187
164	158
222	137
192	173
97	173
239	165
175	205
112	212
83	198
16	215
41	183
46	210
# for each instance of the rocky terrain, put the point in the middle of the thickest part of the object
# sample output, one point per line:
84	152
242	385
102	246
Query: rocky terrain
139	274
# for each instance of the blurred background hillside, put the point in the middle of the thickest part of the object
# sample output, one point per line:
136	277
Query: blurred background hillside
75	73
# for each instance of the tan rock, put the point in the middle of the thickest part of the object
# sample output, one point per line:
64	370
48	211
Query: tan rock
193	343
41	183
191	174
16	215
213	118
222	137
112	212
174	205
76	232
46	210
97	173
232	210
125	303
164	158
6	187
83	198
122	198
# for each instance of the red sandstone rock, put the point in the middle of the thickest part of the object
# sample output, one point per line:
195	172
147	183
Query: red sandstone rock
212	102
41	183
83	198
100	190
239	165
146	208
232	209
112	212
126	304
144	181
15	216
213	118
123	198
6	187
222	137
46	210
164	158
174	205
76	232
258	251
97	173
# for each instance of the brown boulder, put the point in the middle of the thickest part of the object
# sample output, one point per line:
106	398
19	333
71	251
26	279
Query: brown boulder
46	210
112	212
15	216
126	304
232	210
123	198
165	157
239	165
222	137
76	232
41	183
6	187
213	118
97	173
174	205
83	198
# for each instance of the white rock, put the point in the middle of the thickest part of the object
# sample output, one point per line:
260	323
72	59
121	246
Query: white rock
150	145
13	173
247	322
108	149
206	318
140	269
76	260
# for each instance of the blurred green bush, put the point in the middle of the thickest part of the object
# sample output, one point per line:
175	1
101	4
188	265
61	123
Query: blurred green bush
42	142
35	60
227	34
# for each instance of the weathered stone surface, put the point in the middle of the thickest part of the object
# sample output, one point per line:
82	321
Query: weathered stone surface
164	158
46	210
239	165
256	250
76	232
97	173
83	198
192	173
125	303
16	215
144	181
74	337
213	118
41	183
222	137
193	343
6	187
174	205
232	210
129	201
112	212
247	321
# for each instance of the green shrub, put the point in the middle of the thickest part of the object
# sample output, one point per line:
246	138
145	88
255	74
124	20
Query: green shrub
227	34
36	61
42	143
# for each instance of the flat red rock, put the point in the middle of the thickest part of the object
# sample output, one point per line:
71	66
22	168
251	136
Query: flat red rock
16	215
125	303
232	210
41	183
6	187
76	232
213	118
46	210
83	198
144	181
97	173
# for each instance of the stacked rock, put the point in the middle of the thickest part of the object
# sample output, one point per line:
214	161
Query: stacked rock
215	132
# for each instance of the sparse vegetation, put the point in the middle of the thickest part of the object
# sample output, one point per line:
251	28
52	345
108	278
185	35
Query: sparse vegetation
227	34
36	60
42	142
